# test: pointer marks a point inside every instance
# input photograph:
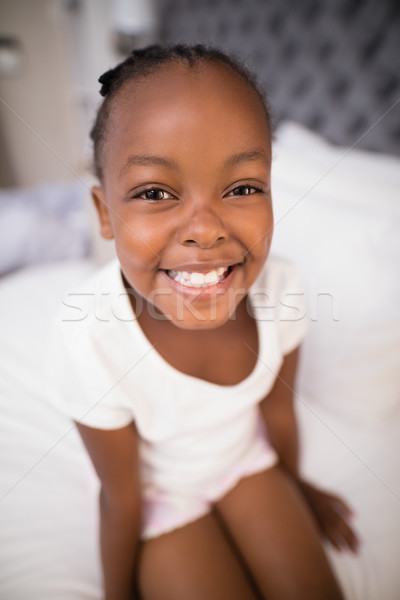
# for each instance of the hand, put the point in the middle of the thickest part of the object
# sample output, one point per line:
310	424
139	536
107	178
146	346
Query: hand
333	516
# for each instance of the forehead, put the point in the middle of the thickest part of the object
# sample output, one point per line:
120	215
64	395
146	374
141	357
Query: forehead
197	111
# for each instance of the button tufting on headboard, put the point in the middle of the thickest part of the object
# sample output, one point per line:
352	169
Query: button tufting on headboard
333	66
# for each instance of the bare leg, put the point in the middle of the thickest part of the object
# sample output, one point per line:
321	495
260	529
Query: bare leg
278	538
194	562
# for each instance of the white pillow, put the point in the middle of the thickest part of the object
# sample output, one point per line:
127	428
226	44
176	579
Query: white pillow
337	215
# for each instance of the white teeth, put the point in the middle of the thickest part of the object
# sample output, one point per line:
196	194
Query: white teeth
197	278
211	277
200	280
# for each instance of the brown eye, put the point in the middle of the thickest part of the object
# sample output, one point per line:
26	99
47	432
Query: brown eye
244	190
154	195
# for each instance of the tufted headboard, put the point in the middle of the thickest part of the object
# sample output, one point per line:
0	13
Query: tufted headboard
332	65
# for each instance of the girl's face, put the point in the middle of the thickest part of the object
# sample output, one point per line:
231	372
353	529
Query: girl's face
186	191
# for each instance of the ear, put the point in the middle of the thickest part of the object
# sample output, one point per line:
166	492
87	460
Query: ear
106	230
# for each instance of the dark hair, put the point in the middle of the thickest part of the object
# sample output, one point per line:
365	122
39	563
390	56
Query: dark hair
146	61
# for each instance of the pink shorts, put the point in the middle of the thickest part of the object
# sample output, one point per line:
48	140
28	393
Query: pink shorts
165	511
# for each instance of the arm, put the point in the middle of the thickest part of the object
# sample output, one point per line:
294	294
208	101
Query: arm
279	416
331	512
114	454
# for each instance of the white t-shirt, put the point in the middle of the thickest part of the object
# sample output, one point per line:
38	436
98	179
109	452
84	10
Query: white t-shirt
106	374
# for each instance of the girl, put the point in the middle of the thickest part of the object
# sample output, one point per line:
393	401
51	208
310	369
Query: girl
175	383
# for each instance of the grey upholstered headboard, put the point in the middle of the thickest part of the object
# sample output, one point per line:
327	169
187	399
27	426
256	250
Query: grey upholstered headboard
332	65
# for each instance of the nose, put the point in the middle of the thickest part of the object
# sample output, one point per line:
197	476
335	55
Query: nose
203	228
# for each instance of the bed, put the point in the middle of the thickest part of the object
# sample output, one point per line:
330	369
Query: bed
337	214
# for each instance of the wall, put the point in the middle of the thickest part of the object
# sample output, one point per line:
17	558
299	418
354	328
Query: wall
47	108
38	122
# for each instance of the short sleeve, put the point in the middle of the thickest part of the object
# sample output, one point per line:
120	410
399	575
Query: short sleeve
82	385
292	318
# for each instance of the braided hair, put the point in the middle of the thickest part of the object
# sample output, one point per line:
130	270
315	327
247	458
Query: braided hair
143	62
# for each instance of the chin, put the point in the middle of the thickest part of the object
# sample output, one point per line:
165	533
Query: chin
199	321
198	326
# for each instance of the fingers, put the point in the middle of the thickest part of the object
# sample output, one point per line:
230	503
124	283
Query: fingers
340	534
333	515
340	506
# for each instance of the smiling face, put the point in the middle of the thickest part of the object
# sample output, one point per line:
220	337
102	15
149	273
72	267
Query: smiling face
186	190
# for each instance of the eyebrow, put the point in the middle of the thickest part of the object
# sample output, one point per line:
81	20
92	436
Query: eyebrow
252	155
144	160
